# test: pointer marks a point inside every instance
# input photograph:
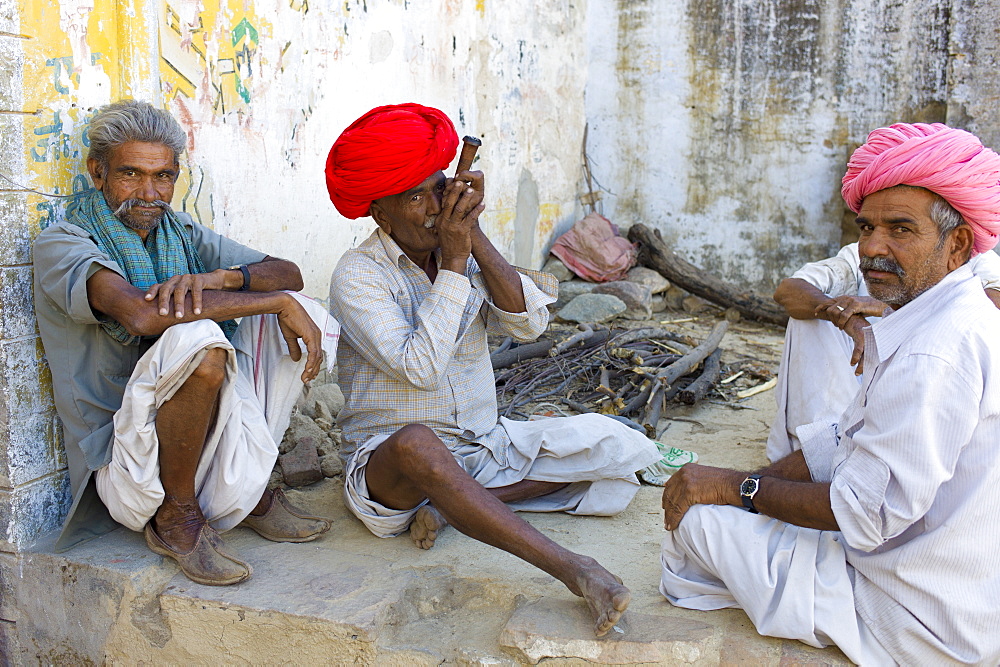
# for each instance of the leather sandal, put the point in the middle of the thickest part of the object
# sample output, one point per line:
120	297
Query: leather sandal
207	562
283	522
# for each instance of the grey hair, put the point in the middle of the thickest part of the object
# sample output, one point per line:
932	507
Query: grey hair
131	120
945	216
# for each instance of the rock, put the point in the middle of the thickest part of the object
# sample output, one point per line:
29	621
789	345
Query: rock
648	277
593	308
551	628
570	290
327	446
658	303
675	297
276	479
558	269
325	400
331	465
732	315
637	298
301	465
694	305
299	428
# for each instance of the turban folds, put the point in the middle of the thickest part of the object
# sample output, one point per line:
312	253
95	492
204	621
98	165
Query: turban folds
388	150
951	163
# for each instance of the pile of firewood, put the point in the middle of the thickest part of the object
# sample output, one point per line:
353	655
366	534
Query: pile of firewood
628	373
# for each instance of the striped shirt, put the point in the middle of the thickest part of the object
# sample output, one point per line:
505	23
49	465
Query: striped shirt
916	478
415	352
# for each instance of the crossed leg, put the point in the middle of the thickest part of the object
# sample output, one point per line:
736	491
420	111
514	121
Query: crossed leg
413	464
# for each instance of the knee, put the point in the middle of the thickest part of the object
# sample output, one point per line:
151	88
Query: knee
413	441
211	371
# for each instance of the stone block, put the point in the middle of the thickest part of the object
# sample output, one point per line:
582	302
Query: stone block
26	451
10	652
17	315
550	628
593	308
15	237
638	298
25	381
10	16
10	573
571	289
11	73
12	148
301	466
648	277
30	510
555	266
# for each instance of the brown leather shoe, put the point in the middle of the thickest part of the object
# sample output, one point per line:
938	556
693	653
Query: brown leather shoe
207	562
284	522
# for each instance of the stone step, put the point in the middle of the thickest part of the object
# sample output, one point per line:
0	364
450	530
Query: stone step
351	598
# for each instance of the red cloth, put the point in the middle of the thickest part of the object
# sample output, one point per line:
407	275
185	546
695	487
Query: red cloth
593	250
949	162
387	151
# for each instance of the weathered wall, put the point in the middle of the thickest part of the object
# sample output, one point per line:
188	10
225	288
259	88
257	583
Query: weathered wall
727	124
262	88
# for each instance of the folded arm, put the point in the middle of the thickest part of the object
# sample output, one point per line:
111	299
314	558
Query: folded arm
111	295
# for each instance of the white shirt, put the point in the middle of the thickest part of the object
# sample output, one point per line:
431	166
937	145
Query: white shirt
916	478
840	275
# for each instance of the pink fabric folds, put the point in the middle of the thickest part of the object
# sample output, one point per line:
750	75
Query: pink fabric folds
593	250
949	162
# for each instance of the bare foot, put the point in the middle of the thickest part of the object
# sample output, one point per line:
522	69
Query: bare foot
426	524
606	596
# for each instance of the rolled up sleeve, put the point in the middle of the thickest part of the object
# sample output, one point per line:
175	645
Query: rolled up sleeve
906	448
540	289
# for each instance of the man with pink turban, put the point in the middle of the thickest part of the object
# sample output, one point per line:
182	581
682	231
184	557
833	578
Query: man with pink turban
421	441
828	301
878	534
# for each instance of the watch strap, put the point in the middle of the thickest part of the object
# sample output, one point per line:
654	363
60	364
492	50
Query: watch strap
747	494
245	270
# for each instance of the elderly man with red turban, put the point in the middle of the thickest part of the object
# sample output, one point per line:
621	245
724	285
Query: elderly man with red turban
421	441
879	535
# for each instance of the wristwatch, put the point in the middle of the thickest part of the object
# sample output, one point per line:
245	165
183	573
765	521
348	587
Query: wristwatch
749	489
245	270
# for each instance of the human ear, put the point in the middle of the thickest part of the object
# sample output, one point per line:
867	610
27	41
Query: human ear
96	174
960	242
380	218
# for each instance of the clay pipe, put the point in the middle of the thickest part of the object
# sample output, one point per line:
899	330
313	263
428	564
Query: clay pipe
469	147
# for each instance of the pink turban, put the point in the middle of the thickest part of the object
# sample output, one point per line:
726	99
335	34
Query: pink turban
387	151
951	163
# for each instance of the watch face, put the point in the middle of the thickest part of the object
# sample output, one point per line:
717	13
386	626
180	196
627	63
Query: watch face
748	487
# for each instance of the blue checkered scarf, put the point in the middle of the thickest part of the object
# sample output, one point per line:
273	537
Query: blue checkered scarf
167	252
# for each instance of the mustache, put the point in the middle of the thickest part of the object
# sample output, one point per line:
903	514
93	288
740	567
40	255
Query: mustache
129	203
884	264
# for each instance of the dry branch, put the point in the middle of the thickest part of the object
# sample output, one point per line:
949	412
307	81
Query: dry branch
697	390
685	364
655	254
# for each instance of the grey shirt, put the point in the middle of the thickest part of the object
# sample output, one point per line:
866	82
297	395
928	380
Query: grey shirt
89	368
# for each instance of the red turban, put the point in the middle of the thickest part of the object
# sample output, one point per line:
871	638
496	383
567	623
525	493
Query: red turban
387	151
951	163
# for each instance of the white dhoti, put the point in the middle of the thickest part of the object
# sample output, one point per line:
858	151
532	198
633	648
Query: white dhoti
261	386
595	456
816	381
793	582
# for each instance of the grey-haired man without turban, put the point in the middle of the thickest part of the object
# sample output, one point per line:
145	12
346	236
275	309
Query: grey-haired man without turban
170	412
